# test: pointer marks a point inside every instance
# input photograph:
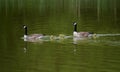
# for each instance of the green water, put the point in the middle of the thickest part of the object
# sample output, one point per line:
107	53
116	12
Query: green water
54	17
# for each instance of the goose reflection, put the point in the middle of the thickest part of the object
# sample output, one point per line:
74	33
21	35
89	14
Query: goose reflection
25	47
84	39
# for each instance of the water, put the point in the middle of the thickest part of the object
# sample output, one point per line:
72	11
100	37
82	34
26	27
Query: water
54	17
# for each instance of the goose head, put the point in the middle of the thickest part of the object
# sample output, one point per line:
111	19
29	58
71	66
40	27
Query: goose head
75	27
24	26
74	23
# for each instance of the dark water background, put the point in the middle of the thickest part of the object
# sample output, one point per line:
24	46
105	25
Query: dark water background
54	17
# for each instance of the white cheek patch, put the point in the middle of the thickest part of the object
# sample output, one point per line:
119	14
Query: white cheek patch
24	26
75	23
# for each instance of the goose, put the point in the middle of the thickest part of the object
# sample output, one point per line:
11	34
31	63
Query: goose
60	37
31	37
82	34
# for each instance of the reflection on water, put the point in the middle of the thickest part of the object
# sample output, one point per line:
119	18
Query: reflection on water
25	47
97	54
99	38
108	35
76	40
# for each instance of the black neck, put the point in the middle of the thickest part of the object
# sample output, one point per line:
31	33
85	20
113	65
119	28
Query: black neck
26	31
75	28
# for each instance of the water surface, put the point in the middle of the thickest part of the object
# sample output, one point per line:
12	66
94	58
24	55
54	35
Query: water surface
54	17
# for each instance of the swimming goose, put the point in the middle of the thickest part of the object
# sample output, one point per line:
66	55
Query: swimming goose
60	37
81	34
31	37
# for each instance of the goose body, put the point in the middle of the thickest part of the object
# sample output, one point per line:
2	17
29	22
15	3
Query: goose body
31	37
81	34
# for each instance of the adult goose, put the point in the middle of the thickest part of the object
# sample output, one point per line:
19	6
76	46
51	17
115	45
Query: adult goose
31	37
81	34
